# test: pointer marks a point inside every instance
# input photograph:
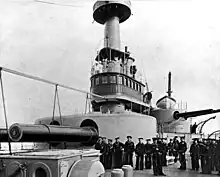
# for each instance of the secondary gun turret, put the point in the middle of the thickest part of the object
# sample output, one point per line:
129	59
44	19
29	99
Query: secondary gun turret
186	115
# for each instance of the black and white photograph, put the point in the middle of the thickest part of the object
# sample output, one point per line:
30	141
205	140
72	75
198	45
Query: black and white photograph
117	88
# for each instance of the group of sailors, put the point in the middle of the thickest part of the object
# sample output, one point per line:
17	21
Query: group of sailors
208	151
117	154
107	66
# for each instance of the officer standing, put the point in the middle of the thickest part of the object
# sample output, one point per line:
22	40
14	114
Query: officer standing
109	154
203	155
194	153
170	148
139	151
98	145
118	151
157	159
148	152
164	151
182	149
176	147
104	152
129	149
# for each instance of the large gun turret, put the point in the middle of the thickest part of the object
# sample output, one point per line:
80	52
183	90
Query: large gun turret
186	115
52	133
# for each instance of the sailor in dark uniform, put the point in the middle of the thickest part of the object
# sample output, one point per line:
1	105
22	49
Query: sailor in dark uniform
203	147
182	149
139	151
109	154
118	151
98	146
170	148
129	149
175	149
194	153
148	152
157	159
217	153
211	154
104	152
164	151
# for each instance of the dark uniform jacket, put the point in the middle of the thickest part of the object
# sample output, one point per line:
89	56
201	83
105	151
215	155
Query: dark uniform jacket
140	149
176	145
98	146
217	149
170	146
104	149
182	147
110	148
118	146
203	150
129	147
148	149
194	150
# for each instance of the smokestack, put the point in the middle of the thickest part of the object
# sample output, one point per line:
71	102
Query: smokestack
169	85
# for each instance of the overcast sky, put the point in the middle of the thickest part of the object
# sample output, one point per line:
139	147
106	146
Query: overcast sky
58	43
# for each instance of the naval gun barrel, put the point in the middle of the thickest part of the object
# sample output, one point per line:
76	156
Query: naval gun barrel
177	114
51	133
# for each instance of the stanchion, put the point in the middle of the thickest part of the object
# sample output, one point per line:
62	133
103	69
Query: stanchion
117	173
128	170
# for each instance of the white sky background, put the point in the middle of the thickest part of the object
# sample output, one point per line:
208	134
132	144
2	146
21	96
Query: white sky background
58	42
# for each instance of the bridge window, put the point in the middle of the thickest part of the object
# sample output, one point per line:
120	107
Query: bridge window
133	85
130	83
126	81
96	80
120	80
112	79
137	86
104	79
93	82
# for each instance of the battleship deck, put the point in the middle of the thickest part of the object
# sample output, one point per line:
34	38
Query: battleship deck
171	171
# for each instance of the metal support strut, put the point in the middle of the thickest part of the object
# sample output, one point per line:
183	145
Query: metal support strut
4	108
56	97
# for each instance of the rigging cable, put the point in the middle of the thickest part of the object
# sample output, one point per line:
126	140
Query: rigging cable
48	82
5	115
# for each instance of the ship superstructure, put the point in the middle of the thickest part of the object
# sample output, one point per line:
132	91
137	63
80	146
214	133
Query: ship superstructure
119	102
114	73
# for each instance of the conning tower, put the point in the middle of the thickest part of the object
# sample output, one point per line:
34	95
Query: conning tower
114	72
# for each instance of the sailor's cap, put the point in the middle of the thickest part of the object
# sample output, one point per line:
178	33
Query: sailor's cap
117	137
129	136
140	138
